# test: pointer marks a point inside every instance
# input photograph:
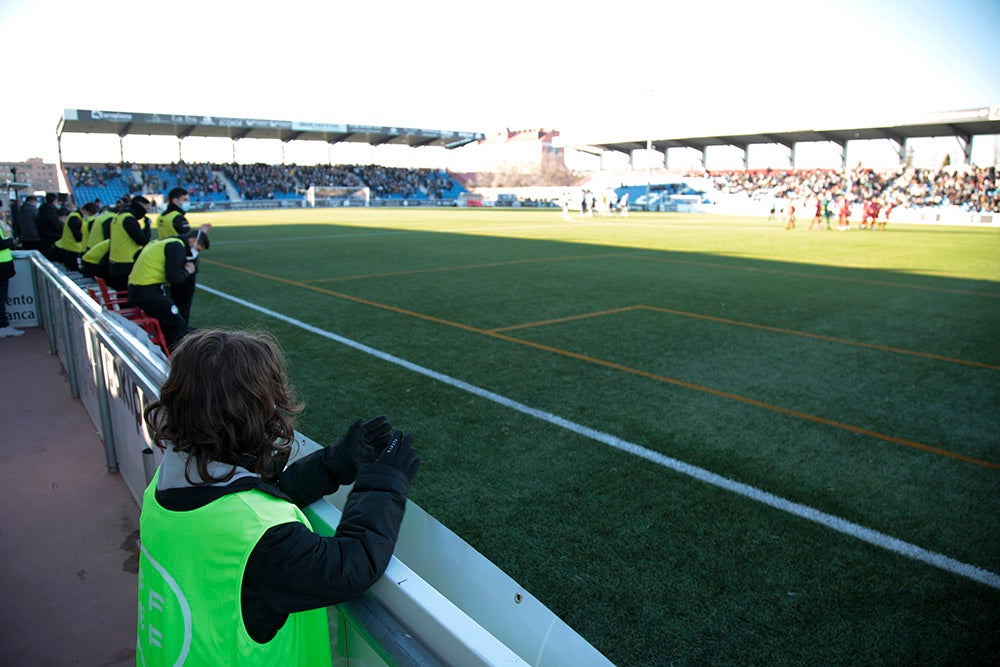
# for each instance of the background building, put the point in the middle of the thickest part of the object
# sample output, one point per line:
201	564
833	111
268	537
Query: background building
39	175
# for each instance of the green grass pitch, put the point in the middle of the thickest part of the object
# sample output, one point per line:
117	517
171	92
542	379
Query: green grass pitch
855	373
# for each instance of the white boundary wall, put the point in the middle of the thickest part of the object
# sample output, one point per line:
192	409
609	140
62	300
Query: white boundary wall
439	603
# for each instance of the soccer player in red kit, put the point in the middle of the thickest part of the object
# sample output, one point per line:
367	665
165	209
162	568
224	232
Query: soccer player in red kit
843	214
817	220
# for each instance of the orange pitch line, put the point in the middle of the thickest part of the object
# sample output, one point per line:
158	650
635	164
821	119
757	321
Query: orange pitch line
460	268
751	325
803	274
831	339
623	368
751	401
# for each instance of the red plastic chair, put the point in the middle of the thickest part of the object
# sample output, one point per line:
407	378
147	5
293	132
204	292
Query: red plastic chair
113	300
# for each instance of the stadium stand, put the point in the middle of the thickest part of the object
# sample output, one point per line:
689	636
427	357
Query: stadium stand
208	182
973	189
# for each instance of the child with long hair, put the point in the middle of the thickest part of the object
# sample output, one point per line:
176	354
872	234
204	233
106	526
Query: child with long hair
230	571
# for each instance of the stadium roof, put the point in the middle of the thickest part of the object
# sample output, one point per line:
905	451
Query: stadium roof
123	123
964	124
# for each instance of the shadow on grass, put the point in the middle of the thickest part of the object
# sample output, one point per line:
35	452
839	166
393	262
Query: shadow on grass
594	532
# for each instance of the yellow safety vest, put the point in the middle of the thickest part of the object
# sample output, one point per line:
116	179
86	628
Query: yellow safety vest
191	568
123	248
96	234
150	267
97	253
67	242
5	254
165	224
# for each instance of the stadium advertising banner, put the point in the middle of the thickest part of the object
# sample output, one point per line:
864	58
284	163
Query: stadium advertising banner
21	299
176	119
118	122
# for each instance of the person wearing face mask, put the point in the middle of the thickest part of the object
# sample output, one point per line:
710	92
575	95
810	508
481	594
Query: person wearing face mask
128	236
161	265
173	222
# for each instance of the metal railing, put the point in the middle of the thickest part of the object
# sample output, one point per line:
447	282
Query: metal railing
440	602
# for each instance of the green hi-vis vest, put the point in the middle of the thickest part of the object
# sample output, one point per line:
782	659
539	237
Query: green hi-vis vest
191	568
123	248
165	224
150	266
96	234
67	242
5	254
97	253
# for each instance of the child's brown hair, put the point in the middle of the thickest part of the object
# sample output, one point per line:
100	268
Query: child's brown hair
227	399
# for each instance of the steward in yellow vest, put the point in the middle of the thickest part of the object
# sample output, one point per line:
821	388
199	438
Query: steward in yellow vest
94	263
127	239
6	273
100	228
172	222
73	242
230	571
161	264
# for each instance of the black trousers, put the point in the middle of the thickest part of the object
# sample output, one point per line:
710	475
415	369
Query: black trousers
3	302
71	260
118	275
182	296
155	301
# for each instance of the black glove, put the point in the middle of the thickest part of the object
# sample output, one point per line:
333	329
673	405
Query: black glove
377	434
362	442
399	454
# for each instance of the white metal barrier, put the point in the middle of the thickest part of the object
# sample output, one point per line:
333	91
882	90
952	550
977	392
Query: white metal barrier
440	601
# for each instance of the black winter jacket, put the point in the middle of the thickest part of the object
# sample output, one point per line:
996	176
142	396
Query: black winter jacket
293	569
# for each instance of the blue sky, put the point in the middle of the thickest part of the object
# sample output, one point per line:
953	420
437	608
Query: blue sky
596	72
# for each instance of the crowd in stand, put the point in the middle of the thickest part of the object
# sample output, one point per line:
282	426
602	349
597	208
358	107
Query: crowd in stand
264	181
971	188
96	177
260	181
383	181
198	179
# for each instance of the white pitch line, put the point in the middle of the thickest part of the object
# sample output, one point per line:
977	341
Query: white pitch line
312	238
836	523
396	232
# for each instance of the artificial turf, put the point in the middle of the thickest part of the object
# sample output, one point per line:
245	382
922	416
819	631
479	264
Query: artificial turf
856	373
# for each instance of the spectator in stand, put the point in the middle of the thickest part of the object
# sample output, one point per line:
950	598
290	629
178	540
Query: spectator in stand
970	188
26	229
